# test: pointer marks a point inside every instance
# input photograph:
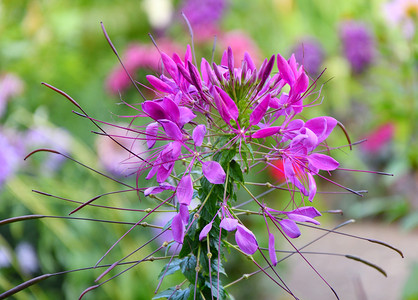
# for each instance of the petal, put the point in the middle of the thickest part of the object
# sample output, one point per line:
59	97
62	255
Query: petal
170	66
164	172
321	126
158	189
205	231
260	110
194	75
159	84
198	134
186	115
272	250
229	224
171	109
290	228
151	134
302	218
285	70
221	106
206	71
184	192
250	63
177	228
265	132
323	162
184	213
154	110
301	84
213	172
230	105
171	129
308	211
312	187
246	240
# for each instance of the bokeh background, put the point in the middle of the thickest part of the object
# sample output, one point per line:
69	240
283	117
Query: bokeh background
369	54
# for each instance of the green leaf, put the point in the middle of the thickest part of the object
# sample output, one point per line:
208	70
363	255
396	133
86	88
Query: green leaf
188	267
170	268
174	294
235	171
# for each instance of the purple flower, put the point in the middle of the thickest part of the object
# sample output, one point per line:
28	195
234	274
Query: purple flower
310	53
204	13
10	86
11	155
358	45
49	137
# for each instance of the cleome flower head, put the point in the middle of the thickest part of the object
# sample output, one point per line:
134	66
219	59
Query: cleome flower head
206	127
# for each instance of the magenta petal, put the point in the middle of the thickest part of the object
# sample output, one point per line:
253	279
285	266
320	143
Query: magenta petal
184	213
164	172
184	192
285	70
265	132
323	162
308	211
171	109
205	231
302	218
205	70
170	66
198	134
229	224
172	130
151	134
272	250
246	240
154	110
221	107
231	107
177	228
186	115
301	84
159	84
260	110
290	228
321	126
250	63
213	172
158	189
312	187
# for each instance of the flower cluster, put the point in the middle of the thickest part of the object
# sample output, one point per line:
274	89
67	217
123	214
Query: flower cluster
238	108
207	127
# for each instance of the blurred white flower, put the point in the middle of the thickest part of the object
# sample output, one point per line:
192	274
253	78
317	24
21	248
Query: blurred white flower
402	13
27	258
159	12
5	257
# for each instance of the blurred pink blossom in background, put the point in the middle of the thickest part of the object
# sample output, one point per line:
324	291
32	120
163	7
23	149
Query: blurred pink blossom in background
137	57
379	138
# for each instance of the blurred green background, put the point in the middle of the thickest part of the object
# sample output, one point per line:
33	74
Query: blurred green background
61	43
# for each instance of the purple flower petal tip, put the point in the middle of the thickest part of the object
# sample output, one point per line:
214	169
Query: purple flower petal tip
246	240
213	172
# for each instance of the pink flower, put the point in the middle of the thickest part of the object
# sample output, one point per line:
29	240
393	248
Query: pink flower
137	57
378	138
